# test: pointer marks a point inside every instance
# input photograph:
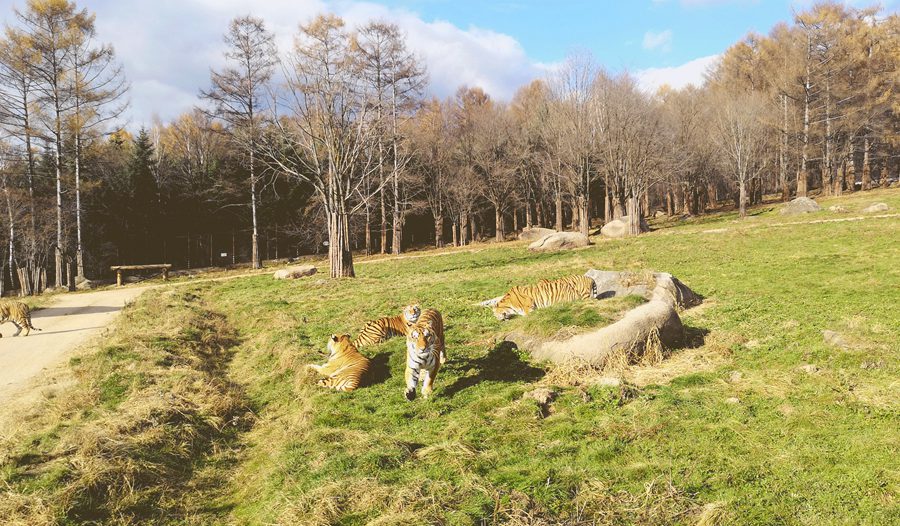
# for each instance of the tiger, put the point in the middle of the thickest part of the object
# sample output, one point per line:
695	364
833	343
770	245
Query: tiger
18	314
425	353
385	328
345	366
522	300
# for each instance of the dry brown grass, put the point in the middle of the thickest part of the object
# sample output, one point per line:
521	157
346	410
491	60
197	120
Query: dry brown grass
122	445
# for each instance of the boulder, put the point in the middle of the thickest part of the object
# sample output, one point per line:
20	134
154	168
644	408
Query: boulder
876	208
837	209
535	233
619	227
630	336
87	284
800	205
560	241
295	272
653	286
659	214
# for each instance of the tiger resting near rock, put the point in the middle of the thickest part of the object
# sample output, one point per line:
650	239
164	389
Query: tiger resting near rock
522	300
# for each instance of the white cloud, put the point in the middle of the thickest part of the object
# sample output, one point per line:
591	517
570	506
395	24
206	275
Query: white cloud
661	41
167	47
692	72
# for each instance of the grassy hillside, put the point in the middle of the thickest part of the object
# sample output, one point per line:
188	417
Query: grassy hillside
760	422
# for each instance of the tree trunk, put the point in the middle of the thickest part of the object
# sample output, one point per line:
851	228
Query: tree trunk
559	209
339	255
498	224
515	215
453	231
79	254
368	231
439	231
742	198
782	153
529	222
633	204
584	214
866	166
59	227
255	237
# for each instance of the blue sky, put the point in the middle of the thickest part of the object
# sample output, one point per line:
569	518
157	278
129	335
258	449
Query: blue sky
167	47
613	31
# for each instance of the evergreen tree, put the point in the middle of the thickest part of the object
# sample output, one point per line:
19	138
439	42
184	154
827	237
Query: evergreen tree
144	199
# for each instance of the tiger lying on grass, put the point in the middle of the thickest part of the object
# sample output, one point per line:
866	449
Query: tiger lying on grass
345	366
385	328
425	353
19	314
522	300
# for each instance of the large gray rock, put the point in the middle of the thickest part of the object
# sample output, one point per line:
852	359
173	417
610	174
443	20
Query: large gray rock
560	241
653	324
535	233
295	272
876	208
629	336
800	205
653	286
619	227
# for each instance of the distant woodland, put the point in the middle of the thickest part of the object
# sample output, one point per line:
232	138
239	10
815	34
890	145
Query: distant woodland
334	145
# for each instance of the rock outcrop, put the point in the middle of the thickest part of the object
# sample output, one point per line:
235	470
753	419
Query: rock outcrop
535	233
295	272
800	205
619	227
560	241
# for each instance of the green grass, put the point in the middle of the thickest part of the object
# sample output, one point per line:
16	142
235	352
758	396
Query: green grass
681	442
566	319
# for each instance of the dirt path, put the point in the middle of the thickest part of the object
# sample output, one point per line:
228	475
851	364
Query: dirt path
69	322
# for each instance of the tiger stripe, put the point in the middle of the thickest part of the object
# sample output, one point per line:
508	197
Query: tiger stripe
523	299
425	353
383	329
345	367
19	314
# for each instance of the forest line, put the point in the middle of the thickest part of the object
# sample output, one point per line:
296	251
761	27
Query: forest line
335	144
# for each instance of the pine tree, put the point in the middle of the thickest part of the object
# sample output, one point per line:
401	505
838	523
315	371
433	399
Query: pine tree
144	198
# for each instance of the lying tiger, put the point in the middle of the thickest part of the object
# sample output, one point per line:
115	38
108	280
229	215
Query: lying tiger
19	314
345	366
522	300
385	328
425	353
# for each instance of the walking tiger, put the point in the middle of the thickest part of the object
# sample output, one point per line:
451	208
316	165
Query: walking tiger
385	328
19	314
345	366
425	353
523	299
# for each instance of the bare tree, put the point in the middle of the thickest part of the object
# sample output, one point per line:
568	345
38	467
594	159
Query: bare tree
397	79
238	96
740	136
98	88
55	31
325	138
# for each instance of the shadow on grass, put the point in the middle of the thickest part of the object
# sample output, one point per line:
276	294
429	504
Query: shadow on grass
694	337
501	364
379	371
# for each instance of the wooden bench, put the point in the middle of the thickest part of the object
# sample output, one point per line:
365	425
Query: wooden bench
164	267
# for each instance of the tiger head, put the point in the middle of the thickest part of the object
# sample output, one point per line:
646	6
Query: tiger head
420	339
411	313
512	303
338	345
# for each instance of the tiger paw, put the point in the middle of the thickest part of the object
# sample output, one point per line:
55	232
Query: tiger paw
410	394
